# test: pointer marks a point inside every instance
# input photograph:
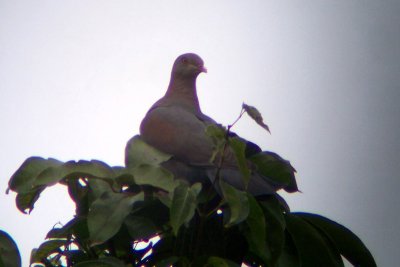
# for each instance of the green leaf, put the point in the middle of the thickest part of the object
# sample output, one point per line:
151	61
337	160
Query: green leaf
218	136
47	248
140	228
138	152
255	115
239	148
107	214
183	205
77	227
313	248
72	169
220	262
275	226
170	261
22	181
26	201
98	187
155	176
237	202
289	256
9	254
348	244
256	234
104	262
272	166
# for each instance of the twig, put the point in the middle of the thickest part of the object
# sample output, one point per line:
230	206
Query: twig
221	159
238	118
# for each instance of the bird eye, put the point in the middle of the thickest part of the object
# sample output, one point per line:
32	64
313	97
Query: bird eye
184	60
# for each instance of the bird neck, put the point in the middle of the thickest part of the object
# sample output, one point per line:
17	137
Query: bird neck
184	91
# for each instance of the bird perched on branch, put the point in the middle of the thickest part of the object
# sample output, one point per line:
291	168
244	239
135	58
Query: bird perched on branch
176	125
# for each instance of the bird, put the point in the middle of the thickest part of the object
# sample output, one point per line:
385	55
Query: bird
176	125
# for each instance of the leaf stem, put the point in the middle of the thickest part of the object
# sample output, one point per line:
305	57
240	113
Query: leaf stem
237	119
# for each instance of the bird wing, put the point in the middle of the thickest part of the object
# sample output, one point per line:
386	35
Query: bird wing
177	131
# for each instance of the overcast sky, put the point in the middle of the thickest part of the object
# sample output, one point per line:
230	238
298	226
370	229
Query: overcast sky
77	77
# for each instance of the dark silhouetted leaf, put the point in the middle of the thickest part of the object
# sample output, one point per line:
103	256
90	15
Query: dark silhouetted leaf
9	254
256	234
313	248
107	214
183	204
104	262
275	226
237	202
255	115
289	256
220	262
271	165
348	244
140	228
138	152
168	262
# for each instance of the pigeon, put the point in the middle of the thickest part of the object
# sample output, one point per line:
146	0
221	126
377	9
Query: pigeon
176	125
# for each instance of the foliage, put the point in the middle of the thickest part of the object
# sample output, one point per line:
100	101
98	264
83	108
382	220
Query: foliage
119	209
9	254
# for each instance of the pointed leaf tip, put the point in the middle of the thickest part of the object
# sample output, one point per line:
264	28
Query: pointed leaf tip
255	115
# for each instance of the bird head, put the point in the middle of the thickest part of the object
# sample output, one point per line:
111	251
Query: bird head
188	66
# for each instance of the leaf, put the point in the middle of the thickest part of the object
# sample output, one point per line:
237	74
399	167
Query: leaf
288	257
140	228
348	244
26	201
138	152
256	234
168	262
237	202
104	262
255	115
275	225
183	205
239	148
155	176
107	214
313	249
9	253
77	227
272	166
218	136
22	181
73	255
98	187
220	262
72	169
47	248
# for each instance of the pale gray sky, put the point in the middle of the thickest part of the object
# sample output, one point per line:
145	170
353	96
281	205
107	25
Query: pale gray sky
76	78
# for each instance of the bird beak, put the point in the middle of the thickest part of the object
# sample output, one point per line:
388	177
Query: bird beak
203	69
